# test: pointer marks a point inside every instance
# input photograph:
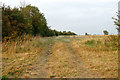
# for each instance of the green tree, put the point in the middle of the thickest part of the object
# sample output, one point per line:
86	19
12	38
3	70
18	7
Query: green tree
26	20
117	22
86	33
105	32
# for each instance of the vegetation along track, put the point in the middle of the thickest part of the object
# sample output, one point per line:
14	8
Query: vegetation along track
73	57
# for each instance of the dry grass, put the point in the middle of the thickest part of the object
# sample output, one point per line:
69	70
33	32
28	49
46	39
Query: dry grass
101	43
74	56
61	61
19	54
100	59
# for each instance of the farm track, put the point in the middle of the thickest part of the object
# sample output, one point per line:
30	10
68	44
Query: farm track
59	60
66	58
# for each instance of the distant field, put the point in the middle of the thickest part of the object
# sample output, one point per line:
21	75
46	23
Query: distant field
61	57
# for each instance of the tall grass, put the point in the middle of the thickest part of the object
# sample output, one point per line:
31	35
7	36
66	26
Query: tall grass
25	43
20	53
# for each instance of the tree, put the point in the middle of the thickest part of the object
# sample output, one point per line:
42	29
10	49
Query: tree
105	32
26	20
117	21
87	34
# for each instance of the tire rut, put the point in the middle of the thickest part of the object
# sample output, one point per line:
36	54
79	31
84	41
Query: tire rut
39	69
64	62
80	66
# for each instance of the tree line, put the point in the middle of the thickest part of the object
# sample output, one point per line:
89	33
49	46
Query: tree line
26	20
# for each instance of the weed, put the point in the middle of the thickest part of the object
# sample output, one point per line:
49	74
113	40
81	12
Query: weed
90	42
98	42
52	76
4	77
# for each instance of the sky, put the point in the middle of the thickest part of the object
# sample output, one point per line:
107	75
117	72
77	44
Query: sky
79	16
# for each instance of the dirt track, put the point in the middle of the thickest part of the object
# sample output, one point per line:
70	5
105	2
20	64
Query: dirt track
67	59
62	57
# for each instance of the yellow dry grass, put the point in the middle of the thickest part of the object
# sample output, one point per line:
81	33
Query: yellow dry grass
61	63
68	57
102	64
18	55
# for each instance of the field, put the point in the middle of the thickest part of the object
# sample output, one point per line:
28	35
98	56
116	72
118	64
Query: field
61	57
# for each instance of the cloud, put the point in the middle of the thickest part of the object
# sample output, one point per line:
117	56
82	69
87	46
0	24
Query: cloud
86	1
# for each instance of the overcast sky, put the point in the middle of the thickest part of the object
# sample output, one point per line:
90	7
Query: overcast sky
79	16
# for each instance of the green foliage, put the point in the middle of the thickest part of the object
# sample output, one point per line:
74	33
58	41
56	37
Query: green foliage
90	42
52	76
26	20
105	32
4	77
117	22
86	34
